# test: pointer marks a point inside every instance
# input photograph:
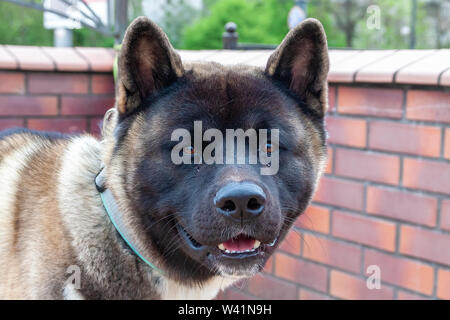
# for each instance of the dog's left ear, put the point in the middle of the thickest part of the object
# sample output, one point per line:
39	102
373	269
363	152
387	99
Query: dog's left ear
301	63
147	63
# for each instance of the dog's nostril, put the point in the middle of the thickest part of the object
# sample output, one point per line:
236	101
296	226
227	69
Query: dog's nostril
254	204
229	206
240	201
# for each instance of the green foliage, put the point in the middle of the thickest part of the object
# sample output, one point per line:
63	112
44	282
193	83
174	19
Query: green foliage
86	37
318	10
22	26
258	21
394	15
25	26
177	15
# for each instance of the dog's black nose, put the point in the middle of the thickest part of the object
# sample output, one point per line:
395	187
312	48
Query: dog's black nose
240	200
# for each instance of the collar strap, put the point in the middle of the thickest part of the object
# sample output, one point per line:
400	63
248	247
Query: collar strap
112	209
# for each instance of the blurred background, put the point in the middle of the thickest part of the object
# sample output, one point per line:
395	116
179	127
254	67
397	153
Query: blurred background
379	224
196	24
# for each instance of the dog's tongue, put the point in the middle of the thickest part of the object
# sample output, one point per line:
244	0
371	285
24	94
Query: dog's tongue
240	243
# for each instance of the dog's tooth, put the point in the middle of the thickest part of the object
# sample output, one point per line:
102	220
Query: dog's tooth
221	247
257	244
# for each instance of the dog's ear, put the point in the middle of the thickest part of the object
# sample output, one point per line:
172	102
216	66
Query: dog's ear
109	123
301	63
147	63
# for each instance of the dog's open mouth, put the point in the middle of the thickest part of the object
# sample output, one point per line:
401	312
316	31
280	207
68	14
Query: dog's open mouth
194	244
241	246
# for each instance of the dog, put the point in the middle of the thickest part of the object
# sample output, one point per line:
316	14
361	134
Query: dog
117	218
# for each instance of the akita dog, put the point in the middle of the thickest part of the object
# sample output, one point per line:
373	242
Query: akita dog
117	218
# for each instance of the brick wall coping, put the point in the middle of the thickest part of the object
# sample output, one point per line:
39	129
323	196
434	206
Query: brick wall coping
418	67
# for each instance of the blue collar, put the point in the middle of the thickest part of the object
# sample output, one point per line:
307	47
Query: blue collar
112	209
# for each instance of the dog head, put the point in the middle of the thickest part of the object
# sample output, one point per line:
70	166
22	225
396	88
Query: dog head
200	218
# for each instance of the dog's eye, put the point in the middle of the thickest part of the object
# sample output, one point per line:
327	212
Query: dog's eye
268	148
189	150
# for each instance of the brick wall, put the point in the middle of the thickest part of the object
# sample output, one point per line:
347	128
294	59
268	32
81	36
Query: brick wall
385	196
384	200
59	89
66	102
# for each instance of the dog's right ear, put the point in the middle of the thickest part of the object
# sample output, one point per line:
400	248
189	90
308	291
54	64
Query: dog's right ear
147	63
301	63
109	123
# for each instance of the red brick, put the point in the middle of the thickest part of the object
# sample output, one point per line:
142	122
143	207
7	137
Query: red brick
406	206
428	105
28	105
315	218
305	294
376	102
445	215
447	144
405	138
403	295
268	267
58	124
12	82
366	230
443	284
332	252
291	243
347	194
346	286
270	288
102	84
11	123
426	175
345	131
87	105
402	272
331	98
329	166
302	272
425	244
58	83
367	166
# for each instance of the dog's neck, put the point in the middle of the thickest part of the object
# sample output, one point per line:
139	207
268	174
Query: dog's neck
99	249
114	214
169	289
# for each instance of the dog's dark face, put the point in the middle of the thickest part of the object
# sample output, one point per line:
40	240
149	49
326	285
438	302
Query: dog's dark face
202	220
